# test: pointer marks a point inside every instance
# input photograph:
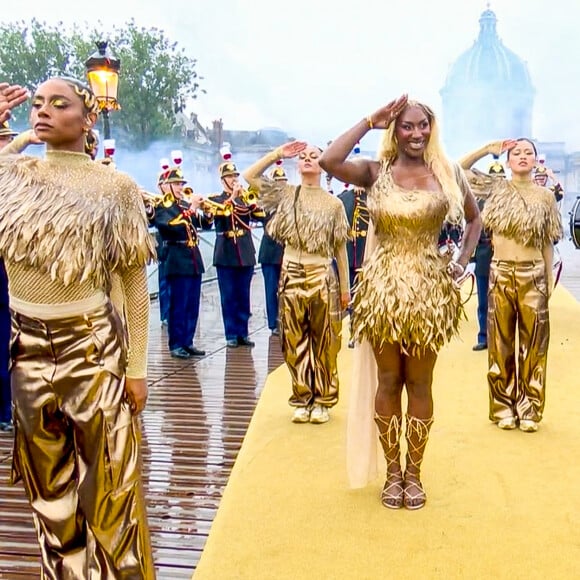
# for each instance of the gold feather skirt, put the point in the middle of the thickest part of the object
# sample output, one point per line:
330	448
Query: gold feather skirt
405	295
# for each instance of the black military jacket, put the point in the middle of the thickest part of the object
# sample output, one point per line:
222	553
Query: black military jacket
484	250
179	240
271	252
357	214
234	245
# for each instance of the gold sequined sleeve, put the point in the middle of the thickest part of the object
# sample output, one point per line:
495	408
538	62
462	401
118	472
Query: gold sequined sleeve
136	300
18	144
130	248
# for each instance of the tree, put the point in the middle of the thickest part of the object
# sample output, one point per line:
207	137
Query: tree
157	77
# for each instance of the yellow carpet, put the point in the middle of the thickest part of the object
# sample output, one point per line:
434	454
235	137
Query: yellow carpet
500	504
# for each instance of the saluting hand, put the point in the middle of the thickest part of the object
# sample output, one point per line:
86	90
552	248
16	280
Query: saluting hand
291	149
382	118
503	146
10	97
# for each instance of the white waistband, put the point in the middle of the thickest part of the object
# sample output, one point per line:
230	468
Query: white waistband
61	310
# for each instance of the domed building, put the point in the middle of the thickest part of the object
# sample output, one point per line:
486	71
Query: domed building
488	93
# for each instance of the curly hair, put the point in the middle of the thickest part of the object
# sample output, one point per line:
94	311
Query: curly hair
434	158
84	92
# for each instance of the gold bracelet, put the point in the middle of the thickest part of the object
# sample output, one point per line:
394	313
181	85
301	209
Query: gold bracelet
370	122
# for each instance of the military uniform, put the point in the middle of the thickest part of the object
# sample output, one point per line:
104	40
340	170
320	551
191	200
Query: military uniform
234	258
357	213
177	226
556	188
6	136
482	258
270	257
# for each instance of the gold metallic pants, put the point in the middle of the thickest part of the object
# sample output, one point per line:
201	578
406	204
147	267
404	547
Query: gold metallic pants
310	329
518	305
77	447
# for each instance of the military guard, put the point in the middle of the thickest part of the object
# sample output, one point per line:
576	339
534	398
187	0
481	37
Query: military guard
270	257
354	200
481	184
177	223
542	175
6	136
234	254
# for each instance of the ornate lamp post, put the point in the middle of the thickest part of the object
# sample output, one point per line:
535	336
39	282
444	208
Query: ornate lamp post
103	76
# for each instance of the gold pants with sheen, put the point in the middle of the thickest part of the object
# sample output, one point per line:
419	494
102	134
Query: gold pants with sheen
518	305
310	329
76	447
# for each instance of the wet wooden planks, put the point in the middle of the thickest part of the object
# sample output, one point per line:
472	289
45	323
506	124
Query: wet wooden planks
196	418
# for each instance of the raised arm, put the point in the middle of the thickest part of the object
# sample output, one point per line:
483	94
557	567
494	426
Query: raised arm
492	148
254	173
21	142
361	172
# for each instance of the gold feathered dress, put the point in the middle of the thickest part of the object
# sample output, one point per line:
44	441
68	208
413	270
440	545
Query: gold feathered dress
518	300
67	224
404	296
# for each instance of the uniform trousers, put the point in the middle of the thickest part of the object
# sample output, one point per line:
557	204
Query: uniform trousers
5	396
271	274
76	447
184	298
310	329
482	285
518	309
164	291
234	283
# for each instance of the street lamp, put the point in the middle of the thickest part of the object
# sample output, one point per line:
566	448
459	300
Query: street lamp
103	75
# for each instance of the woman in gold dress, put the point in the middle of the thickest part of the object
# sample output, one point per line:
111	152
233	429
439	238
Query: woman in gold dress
312	226
524	222
67	225
406	304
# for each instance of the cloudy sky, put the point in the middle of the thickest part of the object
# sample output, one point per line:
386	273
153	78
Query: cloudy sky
314	69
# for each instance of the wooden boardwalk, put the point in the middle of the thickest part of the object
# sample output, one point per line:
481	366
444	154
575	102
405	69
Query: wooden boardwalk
193	427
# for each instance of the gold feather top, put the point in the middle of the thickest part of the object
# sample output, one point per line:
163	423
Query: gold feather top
406	219
525	213
314	221
71	218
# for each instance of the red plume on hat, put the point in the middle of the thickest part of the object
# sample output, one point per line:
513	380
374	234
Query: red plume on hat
177	157
164	164
227	167
226	152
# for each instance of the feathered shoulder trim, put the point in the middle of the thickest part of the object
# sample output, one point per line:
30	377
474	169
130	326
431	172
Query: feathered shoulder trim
76	220
527	214
310	219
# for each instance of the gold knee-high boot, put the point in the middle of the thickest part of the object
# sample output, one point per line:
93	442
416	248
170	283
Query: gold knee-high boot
417	435
389	436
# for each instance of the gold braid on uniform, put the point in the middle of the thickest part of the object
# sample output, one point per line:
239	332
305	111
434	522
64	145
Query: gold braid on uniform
315	222
525	213
66	224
